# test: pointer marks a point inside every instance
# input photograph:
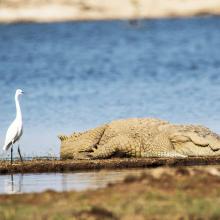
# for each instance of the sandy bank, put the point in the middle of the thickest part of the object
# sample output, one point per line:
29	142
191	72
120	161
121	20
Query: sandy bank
37	166
69	10
165	193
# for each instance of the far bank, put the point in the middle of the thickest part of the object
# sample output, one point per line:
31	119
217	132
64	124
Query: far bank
13	11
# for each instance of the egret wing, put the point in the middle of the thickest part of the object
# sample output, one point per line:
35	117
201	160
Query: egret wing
10	135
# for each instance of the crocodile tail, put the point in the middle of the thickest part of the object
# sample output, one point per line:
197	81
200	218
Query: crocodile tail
62	137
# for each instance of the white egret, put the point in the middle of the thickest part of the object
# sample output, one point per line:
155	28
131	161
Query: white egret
15	130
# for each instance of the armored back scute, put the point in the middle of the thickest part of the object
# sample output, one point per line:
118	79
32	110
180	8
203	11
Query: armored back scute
77	145
141	138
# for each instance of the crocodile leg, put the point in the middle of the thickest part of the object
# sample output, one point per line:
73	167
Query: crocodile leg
160	146
120	144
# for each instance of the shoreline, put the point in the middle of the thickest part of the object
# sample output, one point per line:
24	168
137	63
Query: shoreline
46	166
14	11
179	193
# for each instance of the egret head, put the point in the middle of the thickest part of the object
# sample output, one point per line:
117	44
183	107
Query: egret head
19	92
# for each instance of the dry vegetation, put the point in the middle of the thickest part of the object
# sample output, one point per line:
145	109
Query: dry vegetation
171	193
66	10
178	192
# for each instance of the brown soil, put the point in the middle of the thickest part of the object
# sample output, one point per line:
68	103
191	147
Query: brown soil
164	193
34	166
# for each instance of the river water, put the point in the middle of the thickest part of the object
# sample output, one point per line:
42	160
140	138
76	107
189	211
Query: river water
78	181
78	75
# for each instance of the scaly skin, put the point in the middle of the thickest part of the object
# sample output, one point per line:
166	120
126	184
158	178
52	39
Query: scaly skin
144	137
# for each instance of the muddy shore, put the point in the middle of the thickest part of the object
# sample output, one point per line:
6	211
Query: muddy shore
164	193
39	166
71	10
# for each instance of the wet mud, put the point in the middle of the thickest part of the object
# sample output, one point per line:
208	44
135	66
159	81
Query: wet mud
46	165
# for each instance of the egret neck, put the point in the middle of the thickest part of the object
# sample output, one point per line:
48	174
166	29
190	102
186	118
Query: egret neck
18	109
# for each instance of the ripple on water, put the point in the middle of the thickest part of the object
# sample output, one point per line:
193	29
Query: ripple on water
78	75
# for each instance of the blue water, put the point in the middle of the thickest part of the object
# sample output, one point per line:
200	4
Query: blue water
81	74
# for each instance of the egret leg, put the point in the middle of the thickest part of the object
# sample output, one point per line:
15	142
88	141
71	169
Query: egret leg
11	154
19	152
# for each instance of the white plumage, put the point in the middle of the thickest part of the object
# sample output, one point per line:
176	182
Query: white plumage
13	134
15	130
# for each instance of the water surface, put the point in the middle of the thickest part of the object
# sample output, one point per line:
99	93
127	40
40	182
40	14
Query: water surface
26	183
78	75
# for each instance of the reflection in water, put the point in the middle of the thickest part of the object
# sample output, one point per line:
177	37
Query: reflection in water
20	183
13	185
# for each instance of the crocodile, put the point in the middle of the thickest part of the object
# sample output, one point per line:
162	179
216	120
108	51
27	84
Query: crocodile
140	137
